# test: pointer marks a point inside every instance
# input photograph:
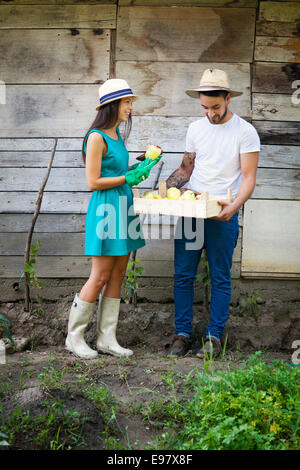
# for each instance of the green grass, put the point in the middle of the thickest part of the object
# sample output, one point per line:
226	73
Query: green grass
253	407
56	428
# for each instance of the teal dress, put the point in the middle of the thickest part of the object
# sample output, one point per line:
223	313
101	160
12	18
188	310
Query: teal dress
112	228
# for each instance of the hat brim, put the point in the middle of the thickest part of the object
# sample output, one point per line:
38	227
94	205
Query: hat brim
195	92
134	98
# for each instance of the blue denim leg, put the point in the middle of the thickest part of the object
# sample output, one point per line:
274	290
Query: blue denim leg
185	266
220	241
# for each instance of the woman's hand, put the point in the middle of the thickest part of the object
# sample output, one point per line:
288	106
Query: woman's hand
141	172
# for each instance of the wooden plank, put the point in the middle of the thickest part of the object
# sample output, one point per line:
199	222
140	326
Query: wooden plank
72	244
30	179
273	107
278	11
275	77
48	110
53	202
49	55
278	19
278	133
277	184
73	180
60	202
57	16
146	130
271	156
71	223
52	243
271	242
273	276
162	85
60	179
49	223
17	144
168	132
40	159
190	3
279	156
80	267
277	49
67	159
277	28
185	34
271	183
47	266
56	2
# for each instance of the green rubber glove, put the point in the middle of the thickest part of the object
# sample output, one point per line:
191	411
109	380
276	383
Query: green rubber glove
141	172
148	160
134	166
145	162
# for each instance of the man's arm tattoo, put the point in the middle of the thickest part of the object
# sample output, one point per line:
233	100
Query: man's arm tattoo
182	175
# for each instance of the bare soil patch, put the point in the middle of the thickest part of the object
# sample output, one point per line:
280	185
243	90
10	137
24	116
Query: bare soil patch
46	373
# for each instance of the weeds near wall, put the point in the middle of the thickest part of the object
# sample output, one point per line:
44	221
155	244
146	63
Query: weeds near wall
132	283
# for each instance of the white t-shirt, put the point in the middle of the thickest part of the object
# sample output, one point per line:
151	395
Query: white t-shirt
218	148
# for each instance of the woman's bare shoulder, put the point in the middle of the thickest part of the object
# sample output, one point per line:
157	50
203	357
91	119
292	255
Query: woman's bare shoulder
95	138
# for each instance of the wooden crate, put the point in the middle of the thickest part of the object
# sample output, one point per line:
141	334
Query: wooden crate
206	206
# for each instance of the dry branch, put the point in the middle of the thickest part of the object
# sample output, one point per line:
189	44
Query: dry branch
33	221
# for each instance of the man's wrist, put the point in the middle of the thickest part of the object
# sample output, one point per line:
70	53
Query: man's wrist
237	204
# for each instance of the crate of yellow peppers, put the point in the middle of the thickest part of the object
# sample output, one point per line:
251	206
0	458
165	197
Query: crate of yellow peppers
177	202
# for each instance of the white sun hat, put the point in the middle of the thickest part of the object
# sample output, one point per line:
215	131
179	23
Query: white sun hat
213	79
114	89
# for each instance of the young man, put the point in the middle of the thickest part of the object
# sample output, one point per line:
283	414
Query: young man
222	152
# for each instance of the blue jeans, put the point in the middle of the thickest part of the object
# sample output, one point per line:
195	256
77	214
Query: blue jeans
220	239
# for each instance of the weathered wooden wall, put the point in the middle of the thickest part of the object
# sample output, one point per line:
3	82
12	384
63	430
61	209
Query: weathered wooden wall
53	58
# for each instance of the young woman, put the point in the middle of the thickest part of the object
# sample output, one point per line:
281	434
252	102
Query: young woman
112	230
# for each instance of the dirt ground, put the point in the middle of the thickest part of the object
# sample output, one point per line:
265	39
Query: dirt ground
131	382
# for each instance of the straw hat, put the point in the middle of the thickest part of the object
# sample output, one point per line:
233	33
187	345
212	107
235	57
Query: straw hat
213	79
114	89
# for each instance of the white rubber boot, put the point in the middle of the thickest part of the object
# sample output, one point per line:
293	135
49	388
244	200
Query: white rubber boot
107	320
79	316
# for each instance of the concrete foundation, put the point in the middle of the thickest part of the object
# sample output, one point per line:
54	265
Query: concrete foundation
157	289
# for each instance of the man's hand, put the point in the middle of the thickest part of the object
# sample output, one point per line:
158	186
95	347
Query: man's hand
228	209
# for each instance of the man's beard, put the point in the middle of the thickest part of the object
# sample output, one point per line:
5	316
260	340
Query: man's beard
221	118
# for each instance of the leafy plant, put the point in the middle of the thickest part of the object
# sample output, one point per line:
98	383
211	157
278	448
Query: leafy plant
256	407
204	279
131	283
4	328
29	267
250	305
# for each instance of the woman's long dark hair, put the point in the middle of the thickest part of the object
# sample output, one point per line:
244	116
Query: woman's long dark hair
106	118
